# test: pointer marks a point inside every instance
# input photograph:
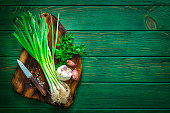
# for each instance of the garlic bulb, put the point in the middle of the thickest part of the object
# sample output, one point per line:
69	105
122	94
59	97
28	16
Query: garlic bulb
64	73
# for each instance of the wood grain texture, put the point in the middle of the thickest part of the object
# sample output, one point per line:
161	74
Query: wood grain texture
21	83
103	87
100	96
52	110
94	17
105	43
84	2
109	69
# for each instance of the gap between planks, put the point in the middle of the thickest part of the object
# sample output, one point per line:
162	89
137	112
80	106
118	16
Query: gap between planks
81	82
106	56
37	108
84	5
98	30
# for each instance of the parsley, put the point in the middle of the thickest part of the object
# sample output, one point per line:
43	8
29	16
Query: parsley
67	50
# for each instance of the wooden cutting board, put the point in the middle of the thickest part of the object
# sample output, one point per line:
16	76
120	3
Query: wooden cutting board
26	88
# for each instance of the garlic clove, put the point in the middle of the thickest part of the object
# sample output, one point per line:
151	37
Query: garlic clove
70	63
75	74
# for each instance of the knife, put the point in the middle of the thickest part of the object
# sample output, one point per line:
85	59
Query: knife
29	75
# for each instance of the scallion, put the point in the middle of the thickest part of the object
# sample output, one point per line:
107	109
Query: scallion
33	36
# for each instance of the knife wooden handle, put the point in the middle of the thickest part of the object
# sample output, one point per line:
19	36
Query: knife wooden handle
39	87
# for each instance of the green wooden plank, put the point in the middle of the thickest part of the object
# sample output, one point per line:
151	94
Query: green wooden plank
9	44
96	17
109	69
100	95
105	43
53	110
84	2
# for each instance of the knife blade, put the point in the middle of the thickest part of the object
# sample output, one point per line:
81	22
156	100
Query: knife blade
29	75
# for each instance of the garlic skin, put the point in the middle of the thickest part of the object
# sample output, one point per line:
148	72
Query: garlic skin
64	73
75	74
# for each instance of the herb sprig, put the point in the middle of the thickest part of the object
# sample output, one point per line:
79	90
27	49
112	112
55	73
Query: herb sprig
67	50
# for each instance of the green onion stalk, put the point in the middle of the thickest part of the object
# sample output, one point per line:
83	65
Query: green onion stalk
33	36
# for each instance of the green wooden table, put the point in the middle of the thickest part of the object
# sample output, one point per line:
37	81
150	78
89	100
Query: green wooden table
127	69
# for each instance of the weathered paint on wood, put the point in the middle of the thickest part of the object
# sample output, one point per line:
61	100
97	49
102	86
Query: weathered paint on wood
109	69
117	15
95	17
53	110
105	43
100	96
84	2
